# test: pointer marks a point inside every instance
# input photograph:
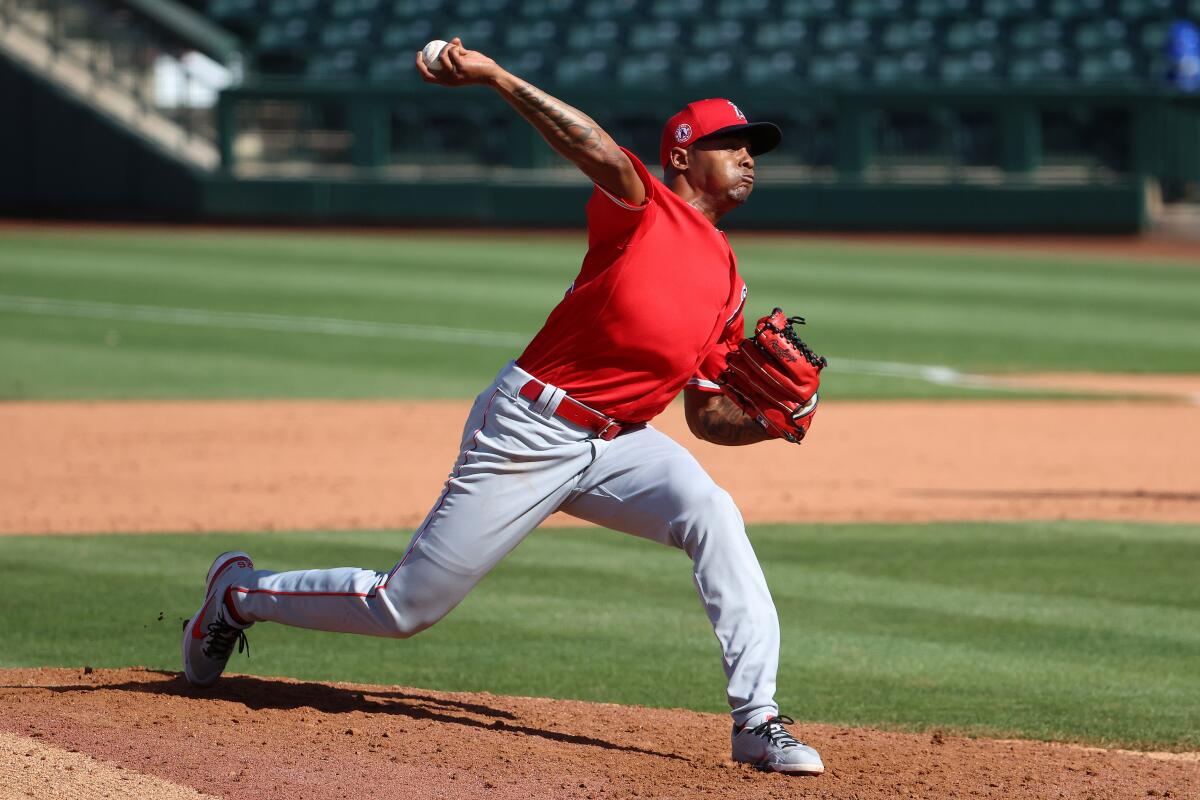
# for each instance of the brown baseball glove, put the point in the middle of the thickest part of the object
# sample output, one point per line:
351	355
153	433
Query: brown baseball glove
773	376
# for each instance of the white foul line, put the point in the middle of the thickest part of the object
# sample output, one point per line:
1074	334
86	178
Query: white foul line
242	320
930	373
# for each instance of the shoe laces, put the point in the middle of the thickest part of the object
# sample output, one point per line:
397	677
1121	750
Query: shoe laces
221	638
774	731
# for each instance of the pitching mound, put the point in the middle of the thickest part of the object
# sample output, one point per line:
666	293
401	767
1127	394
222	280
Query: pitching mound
146	734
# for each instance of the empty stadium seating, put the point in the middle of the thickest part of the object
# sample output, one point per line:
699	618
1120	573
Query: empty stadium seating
639	43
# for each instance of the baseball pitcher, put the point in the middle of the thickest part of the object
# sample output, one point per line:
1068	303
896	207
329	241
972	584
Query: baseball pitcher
656	309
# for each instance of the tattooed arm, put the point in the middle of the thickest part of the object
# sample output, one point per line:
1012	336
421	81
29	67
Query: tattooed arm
573	134
715	418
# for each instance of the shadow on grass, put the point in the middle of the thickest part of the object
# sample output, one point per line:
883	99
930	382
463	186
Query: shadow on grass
263	693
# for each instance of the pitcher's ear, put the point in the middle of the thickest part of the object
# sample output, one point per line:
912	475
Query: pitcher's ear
678	159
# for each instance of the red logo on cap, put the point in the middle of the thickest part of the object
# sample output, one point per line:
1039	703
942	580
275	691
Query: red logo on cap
737	111
683	133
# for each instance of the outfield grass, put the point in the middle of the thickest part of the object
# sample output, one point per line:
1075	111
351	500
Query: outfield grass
974	311
1075	631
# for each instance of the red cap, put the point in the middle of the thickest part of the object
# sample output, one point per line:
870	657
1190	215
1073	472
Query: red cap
712	117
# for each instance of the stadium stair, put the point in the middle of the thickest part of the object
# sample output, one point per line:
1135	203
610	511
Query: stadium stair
63	44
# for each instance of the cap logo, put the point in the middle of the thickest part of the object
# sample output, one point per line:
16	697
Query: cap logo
737	111
683	132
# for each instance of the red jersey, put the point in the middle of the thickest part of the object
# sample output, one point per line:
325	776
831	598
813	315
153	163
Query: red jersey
656	306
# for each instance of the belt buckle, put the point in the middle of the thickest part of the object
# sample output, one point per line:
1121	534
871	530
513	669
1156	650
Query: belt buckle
609	431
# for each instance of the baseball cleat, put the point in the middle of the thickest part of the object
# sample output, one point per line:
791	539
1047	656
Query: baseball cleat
209	636
772	749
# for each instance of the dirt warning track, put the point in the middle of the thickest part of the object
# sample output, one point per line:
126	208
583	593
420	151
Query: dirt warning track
273	739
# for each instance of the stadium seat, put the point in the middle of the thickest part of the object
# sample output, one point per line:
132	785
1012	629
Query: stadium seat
541	9
610	9
809	9
971	34
876	9
643	70
1111	65
477	34
591	35
724	33
1009	9
913	66
902	36
943	9
1135	9
977	65
842	35
338	64
674	9
1153	36
1073	9
531	34
655	36
1050	63
292	9
743	9
708	67
1036	34
419	9
341	9
840	68
409	35
1100	34
529	64
284	34
392	68
579	68
225	11
772	67
655	42
792	33
350	34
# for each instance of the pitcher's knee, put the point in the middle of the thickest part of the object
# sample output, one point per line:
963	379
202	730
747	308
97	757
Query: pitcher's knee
407	619
714	506
709	510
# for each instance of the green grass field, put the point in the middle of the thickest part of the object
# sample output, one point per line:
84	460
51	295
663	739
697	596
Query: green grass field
1050	630
1079	631
245	314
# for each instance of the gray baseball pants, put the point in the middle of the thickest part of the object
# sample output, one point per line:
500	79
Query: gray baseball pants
517	464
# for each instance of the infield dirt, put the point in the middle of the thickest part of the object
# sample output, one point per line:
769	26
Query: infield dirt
118	467
283	740
304	465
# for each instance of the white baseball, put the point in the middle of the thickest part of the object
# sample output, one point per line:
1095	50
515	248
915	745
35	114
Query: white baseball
431	53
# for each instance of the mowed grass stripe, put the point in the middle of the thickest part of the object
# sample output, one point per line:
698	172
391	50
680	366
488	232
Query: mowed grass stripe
325	326
1079	631
260	322
974	312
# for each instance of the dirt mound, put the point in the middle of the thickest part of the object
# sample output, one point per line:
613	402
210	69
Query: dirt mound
31	769
274	739
212	466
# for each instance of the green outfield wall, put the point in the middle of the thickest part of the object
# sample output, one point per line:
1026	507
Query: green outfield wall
1116	208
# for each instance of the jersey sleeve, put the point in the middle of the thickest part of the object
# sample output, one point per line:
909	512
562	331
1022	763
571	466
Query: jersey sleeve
705	379
610	217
